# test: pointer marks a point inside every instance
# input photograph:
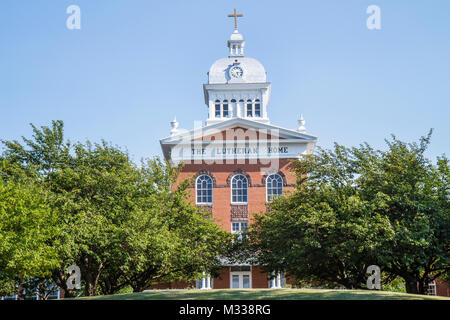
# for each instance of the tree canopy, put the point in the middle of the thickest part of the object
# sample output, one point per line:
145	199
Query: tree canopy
353	207
122	224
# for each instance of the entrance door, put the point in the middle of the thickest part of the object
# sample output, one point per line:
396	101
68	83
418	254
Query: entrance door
240	280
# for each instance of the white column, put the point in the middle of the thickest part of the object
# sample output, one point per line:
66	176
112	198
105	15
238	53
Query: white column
275	282
203	281
206	281
212	107
264	107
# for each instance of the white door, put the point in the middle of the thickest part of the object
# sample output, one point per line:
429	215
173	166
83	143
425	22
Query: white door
240	280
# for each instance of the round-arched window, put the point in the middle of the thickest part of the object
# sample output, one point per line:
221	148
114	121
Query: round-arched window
274	185
239	189
204	186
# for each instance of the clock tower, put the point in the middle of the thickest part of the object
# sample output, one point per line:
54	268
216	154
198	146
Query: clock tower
237	86
238	161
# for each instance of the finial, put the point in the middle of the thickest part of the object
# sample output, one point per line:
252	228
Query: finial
235	15
301	123
174	124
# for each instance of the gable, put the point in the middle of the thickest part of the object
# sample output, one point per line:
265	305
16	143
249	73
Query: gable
239	133
236	139
234	128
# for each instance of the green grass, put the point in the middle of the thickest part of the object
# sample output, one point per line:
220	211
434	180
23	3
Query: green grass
261	294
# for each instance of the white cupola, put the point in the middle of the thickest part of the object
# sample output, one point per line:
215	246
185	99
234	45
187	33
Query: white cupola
237	86
236	44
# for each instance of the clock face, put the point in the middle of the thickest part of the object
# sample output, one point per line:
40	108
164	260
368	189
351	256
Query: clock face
236	72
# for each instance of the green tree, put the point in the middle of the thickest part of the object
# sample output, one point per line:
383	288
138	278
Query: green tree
353	207
27	227
323	233
123	225
415	194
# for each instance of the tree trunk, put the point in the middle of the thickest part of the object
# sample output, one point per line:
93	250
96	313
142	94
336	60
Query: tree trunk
411	285
92	289
423	286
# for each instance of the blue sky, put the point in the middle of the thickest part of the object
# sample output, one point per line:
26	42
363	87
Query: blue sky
136	64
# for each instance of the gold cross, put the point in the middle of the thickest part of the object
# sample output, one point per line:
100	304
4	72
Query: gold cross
235	15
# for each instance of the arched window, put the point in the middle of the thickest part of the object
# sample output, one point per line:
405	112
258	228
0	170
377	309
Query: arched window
217	108
274	185
225	108
239	189
249	108
233	108
204	186
257	108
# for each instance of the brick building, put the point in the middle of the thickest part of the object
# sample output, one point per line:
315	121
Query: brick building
240	160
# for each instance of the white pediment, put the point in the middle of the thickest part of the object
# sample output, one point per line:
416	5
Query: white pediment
237	138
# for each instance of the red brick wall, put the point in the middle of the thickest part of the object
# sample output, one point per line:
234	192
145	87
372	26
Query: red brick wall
223	281
221	208
222	190
259	278
442	288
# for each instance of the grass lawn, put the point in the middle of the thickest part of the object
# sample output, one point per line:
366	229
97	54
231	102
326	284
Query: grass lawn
261	294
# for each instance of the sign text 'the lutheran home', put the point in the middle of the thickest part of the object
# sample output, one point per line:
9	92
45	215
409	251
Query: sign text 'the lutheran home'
244	150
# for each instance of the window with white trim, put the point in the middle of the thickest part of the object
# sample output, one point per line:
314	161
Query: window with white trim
257	108
239	228
432	288
204	186
217	106
225	112
239	189
232	109
274	185
249	108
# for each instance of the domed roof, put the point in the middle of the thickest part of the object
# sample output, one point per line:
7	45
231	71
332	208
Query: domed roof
254	71
236	36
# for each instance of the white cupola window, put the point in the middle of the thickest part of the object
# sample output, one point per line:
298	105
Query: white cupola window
217	106
257	108
233	107
249	108
225	110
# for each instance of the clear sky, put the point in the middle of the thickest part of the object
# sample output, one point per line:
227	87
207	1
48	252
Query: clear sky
135	64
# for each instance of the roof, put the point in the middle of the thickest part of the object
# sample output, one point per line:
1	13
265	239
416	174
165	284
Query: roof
306	142
254	71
